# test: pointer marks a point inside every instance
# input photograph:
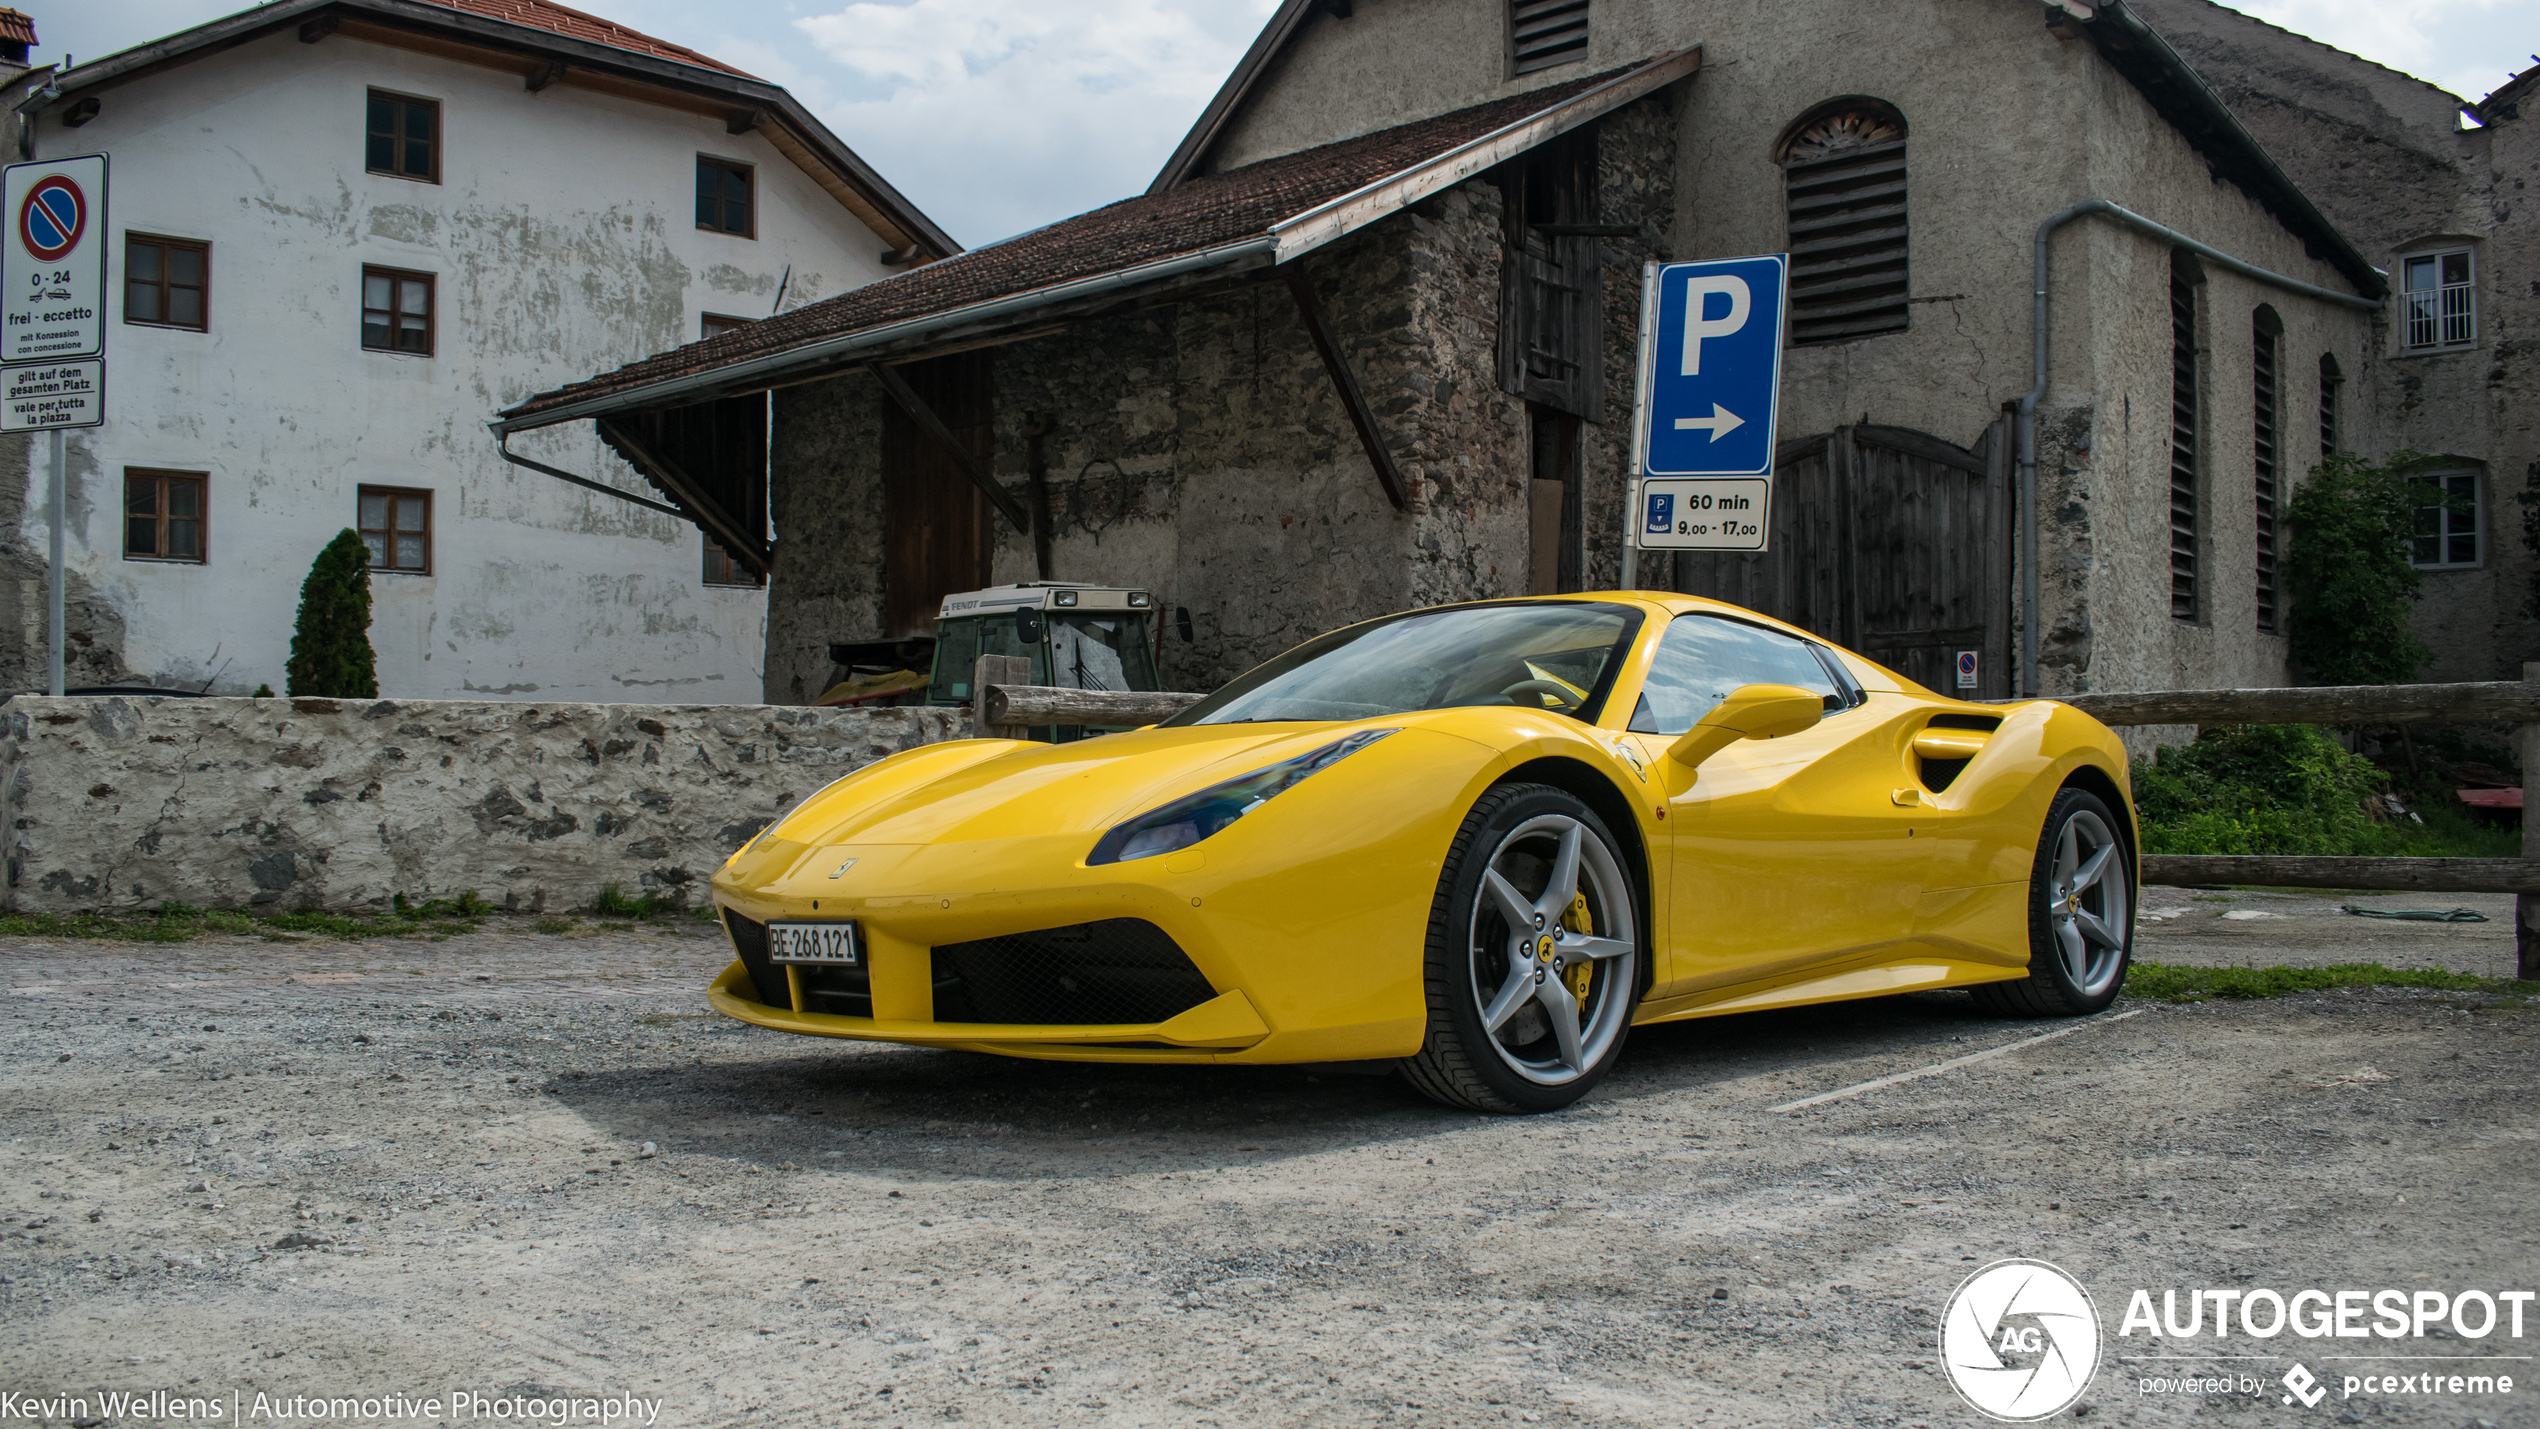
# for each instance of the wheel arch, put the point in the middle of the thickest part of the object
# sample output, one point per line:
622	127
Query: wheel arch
1590	786
2098	781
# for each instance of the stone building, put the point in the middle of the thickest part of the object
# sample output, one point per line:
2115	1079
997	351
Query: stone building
1369	340
2451	209
341	230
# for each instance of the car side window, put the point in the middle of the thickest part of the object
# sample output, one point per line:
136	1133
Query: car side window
1703	658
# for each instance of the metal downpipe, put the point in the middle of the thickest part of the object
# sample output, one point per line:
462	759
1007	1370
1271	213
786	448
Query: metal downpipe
2027	409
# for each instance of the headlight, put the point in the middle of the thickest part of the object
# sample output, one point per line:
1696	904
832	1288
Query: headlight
1063	598
1194	817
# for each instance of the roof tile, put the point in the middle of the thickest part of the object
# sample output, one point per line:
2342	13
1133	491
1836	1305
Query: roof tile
574	24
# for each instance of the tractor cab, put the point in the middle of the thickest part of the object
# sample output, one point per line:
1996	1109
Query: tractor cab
1077	637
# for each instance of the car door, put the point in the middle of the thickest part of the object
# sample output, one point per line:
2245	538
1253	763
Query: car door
1779	853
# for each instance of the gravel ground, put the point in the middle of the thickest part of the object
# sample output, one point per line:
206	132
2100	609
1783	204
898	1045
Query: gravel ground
828	1232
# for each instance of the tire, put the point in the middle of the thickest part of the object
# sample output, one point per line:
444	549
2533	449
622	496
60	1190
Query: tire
2074	967
1478	966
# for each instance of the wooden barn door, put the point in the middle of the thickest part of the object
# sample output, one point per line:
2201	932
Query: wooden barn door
1890	542
938	535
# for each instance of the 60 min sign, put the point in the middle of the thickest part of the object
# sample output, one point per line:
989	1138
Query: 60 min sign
1709	513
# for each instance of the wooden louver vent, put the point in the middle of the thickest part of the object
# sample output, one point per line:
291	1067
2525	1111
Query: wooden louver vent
2184	426
1846	177
1544	33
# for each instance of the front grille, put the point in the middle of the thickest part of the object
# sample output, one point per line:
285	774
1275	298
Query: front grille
750	941
1120	970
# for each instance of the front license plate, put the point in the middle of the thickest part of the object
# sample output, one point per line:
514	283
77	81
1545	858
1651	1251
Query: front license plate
813	943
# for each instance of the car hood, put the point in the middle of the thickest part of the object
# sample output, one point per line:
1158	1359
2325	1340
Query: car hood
981	790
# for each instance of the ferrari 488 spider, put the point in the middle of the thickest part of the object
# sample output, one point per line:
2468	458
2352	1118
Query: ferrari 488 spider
1480	841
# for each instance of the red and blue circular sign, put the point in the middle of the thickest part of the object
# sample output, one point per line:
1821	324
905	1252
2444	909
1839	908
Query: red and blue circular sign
53	217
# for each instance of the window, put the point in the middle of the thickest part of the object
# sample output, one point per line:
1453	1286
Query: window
167	282
2265	337
2332	393
2447	524
1844	168
1544	33
2437	307
721	569
1551	296
397	311
716	325
405	137
397	526
723	197
2184	284
163	515
1703	659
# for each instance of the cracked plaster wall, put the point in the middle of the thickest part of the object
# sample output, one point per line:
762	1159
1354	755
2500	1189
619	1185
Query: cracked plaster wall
115	803
562	240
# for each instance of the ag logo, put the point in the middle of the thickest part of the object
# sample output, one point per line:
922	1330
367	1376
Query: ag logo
2020	1340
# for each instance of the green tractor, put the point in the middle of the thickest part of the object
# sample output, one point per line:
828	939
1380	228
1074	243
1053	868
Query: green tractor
1077	637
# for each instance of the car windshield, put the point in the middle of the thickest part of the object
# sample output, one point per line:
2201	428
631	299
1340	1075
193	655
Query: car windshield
1536	655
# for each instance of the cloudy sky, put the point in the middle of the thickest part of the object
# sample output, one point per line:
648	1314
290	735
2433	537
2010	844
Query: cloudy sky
1001	115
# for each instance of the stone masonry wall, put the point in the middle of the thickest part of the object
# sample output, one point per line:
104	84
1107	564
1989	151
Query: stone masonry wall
115	803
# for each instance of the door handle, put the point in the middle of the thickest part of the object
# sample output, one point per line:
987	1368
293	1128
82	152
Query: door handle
1906	798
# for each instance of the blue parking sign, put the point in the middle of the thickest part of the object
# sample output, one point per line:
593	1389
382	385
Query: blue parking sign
1662	512
1712	367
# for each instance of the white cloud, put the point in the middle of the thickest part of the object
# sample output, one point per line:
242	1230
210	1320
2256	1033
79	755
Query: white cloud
2467	46
996	117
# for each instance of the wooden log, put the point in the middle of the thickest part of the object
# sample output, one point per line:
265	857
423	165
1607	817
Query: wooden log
2512	701
1044	704
2500	701
2401	875
987	673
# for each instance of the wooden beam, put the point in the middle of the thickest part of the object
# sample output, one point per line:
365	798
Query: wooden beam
743	123
750	551
546	74
2498	701
1353	400
2405	875
933	426
1043	704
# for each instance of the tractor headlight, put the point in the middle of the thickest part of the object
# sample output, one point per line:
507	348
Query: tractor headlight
1194	817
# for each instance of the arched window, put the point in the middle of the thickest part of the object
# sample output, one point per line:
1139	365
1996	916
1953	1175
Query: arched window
1844	165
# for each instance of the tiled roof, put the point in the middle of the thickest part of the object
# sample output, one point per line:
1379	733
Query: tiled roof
573	24
16	27
1200	213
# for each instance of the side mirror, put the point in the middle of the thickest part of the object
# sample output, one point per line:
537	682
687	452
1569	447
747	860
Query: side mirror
1027	626
1750	712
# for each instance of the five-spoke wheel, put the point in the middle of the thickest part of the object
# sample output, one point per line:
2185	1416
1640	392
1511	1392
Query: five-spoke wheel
2081	915
1533	959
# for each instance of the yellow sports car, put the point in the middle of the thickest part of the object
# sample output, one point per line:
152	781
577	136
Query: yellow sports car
1481	841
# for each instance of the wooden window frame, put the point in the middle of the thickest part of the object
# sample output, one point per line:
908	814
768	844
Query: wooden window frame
202	483
1847	222
749	174
165	244
2445	532
1546	34
431	309
2441	312
399	137
388	533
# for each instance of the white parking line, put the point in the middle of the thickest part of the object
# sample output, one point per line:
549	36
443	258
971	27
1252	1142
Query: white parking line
1955	1062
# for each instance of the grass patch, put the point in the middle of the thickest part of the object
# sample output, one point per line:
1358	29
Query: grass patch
2169	982
613	903
434	919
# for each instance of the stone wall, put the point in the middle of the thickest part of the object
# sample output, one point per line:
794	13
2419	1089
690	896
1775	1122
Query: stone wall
116	803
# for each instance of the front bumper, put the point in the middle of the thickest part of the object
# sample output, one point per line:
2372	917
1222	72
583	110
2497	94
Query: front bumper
1206	1033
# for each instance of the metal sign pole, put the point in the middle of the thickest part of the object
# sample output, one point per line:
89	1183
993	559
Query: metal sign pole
59	634
1640	429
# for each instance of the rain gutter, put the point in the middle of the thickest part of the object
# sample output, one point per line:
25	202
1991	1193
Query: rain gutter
2115	213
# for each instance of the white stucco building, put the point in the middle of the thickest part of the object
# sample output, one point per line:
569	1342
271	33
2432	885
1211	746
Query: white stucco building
344	232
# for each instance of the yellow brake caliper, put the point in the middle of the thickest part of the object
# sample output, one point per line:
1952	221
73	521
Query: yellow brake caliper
1580	974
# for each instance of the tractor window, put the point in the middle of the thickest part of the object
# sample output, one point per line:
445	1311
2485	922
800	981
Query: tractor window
1558	657
958	646
1100	652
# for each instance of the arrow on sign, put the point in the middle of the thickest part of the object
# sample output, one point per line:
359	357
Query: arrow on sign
1722	421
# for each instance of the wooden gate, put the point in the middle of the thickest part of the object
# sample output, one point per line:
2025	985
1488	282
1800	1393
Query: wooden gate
937	531
1892	543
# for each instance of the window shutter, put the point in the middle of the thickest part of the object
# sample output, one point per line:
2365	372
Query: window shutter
1846	178
1544	33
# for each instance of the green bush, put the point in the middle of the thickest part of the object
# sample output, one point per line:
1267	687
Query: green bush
330	647
2346	571
2290	789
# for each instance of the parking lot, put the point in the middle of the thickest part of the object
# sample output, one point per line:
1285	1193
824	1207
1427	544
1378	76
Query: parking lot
523	1162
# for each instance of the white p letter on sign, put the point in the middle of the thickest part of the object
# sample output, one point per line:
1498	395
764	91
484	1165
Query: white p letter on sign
1697	327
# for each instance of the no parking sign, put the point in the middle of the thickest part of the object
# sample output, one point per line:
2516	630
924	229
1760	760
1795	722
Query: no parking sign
53	294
